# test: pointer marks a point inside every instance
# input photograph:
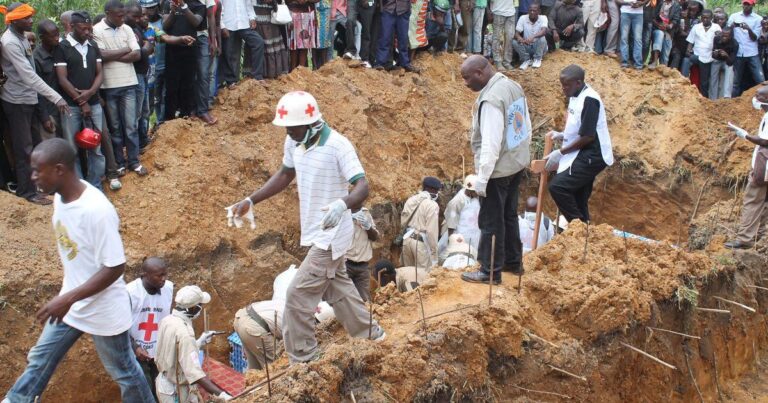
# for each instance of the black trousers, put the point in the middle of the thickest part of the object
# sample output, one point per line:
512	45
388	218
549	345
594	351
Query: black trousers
705	70
150	372
498	216
180	84
572	188
24	136
368	34
230	68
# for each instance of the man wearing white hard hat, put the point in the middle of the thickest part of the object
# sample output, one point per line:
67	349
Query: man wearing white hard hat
325	165
461	216
177	356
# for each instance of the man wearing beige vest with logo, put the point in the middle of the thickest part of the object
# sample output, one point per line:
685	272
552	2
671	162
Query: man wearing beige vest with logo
501	133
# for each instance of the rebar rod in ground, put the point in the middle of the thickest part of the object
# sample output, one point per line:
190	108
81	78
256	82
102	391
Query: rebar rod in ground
274	339
540	391
673	332
666	364
423	319
757	287
266	366
493	269
447	312
537	337
205	329
690	372
567	373
750	309
713	310
586	244
251	389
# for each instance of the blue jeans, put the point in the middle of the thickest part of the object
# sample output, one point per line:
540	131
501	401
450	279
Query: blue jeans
662	43
203	90
121	111
635	22
159	96
114	351
214	81
392	25
73	123
752	66
142	109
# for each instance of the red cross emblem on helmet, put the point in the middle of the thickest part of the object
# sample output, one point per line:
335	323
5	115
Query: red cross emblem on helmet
297	108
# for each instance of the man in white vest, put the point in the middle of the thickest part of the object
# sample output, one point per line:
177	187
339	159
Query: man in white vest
501	133
586	149
754	210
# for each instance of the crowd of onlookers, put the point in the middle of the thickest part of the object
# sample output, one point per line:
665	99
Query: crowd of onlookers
126	71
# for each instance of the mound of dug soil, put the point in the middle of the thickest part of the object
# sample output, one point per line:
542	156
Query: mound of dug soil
669	142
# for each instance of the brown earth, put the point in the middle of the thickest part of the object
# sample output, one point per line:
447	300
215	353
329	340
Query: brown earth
674	156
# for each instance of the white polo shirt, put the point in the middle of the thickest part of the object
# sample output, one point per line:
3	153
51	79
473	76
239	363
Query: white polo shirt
528	28
116	74
703	41
324	173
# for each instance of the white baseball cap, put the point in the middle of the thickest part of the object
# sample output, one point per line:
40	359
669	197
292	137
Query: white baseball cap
191	295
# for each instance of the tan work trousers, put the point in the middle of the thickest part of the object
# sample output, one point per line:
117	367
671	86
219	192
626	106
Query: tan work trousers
257	341
321	278
189	394
415	254
754	213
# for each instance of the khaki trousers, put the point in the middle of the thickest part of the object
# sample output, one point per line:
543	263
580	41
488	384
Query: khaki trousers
415	254
321	278
754	213
253	335
189	394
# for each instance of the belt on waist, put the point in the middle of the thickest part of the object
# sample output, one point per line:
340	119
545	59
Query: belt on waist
257	318
353	263
469	255
417	237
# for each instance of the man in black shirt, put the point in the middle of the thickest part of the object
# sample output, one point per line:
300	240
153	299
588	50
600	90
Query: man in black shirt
724	54
586	149
134	18
184	18
79	70
48	34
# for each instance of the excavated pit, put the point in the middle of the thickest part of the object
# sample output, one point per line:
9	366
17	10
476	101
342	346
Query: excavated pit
675	160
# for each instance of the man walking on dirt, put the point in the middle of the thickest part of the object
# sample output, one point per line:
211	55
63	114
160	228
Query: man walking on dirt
325	165
754	211
501	133
93	298
586	149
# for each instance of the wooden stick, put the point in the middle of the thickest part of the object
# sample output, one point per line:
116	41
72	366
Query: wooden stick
753	310
447	312
423	319
567	373
274	336
648	355
673	332
539	125
717	376
463	163
370	320
690	372
539	338
352	395
757	287
205	329
266	366
493	268
541	391
543	177
255	387
712	310
586	245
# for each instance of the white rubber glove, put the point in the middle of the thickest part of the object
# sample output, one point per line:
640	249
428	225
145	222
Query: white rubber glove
363	220
480	186
224	396
738	130
333	214
238	221
557	135
553	160
204	339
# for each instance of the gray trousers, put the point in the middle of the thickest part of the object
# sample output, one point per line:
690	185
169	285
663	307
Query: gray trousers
503	36
754	213
718	79
534	51
612	34
321	278
361	276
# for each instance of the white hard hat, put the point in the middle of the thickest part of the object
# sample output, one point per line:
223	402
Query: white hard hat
324	312
191	295
469	182
297	108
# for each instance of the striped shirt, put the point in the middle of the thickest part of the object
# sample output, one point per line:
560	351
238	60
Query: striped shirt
116	74
323	175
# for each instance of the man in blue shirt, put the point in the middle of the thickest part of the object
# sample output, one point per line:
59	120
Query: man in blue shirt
746	26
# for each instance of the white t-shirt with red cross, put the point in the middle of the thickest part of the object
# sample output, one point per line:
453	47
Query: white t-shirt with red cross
147	311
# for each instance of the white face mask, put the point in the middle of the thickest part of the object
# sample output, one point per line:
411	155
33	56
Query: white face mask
757	104
530	216
434	196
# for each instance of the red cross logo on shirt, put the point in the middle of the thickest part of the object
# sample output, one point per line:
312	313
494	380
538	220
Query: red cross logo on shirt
310	110
282	112
148	327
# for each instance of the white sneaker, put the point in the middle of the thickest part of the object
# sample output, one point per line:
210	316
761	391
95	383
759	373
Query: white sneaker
381	337
525	64
536	63
366	65
348	56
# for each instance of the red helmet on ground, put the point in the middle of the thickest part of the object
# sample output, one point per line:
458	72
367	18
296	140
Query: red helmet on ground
88	138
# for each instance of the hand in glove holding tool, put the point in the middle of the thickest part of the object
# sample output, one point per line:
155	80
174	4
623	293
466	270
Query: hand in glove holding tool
738	130
553	160
206	338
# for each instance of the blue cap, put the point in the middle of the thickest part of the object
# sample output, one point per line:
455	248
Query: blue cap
432	182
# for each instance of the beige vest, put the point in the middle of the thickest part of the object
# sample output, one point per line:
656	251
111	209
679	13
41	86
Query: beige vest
502	93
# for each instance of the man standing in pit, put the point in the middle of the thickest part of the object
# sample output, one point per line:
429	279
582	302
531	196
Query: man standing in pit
151	297
501	133
324	164
586	149
420	221
361	251
93	298
754	211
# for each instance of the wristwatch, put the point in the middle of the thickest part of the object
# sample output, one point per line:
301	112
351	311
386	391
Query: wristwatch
185	6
